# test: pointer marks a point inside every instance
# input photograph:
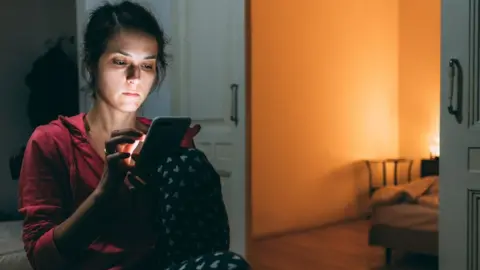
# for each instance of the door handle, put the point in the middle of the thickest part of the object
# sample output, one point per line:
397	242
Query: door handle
455	75
234	106
224	174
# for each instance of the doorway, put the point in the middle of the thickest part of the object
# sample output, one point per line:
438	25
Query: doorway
25	43
334	84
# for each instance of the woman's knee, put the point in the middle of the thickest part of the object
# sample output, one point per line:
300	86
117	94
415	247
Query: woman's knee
222	260
187	169
232	260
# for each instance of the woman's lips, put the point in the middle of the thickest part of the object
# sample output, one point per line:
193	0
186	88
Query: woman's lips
130	94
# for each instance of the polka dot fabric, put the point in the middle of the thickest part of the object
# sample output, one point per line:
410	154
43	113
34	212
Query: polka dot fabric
191	216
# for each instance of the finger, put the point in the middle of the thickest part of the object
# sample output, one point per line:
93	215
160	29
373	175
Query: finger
130	148
143	128
112	145
140	180
115	158
128	182
127	132
135	181
135	156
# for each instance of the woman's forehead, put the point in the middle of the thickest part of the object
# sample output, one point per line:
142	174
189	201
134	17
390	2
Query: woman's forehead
133	44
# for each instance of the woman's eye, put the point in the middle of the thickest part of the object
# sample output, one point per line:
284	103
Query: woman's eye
119	62
148	67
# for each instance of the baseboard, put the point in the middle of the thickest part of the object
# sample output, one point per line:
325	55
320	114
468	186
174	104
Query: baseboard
306	229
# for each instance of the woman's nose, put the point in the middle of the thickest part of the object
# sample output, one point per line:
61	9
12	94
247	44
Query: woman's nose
133	75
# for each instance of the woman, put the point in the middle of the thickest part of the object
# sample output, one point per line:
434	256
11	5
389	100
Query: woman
79	211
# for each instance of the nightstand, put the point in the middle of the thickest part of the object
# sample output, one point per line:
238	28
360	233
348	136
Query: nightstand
429	167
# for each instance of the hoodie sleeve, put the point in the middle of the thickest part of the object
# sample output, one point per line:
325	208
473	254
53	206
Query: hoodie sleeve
188	141
41	200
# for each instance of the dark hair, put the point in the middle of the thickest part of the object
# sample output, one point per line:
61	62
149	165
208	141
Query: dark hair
106	21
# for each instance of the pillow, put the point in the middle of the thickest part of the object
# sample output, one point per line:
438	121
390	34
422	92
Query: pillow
387	196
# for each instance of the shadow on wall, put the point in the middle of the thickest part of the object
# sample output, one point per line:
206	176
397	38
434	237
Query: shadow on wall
348	186
56	64
24	43
339	194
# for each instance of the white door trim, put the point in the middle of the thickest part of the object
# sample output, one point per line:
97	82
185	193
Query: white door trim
239	214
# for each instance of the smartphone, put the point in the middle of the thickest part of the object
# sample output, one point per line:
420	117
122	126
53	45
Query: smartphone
163	139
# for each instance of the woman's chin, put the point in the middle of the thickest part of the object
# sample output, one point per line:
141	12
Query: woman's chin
129	107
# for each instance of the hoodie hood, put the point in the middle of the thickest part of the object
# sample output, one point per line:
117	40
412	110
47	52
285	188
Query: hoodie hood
74	125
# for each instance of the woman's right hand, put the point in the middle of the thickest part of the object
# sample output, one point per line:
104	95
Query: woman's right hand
117	160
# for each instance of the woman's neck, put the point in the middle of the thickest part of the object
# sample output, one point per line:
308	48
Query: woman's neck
103	118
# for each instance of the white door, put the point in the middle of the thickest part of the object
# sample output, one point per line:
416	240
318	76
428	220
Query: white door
83	8
460	136
208	84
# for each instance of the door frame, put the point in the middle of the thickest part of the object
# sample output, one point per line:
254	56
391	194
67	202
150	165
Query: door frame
177	100
248	128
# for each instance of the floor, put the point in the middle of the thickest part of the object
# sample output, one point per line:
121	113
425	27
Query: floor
339	247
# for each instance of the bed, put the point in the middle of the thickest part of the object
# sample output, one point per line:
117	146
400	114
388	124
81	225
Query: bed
404	216
12	255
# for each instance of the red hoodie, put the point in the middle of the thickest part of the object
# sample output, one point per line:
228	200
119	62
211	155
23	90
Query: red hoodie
60	170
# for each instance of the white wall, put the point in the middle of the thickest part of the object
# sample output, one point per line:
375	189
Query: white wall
25	26
159	101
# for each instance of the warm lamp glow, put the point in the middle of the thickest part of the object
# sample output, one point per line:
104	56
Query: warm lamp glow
435	147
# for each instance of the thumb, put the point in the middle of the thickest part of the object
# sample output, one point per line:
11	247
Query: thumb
130	148
115	159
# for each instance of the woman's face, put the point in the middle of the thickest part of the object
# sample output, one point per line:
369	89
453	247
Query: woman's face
127	70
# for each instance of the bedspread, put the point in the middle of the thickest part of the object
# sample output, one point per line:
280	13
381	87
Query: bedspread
423	191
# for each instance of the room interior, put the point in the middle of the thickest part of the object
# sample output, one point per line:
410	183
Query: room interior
335	83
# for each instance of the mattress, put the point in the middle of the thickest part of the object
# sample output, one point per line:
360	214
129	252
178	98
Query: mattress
407	216
12	255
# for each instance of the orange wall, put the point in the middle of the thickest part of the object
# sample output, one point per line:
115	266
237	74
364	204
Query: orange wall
419	73
334	82
324	95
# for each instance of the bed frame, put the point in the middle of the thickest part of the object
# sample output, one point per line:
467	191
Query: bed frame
384	163
391	238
